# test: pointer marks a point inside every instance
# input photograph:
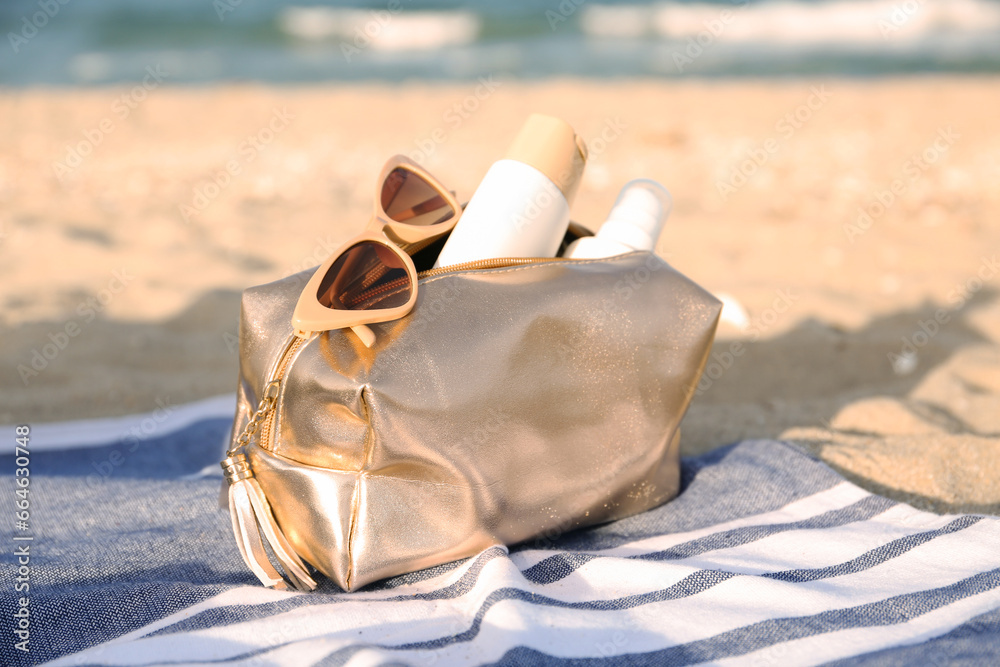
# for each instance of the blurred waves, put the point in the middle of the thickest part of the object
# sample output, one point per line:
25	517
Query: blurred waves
106	41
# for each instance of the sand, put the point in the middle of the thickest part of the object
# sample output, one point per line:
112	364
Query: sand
873	342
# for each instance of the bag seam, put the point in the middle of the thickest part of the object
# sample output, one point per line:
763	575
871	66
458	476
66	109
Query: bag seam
358	481
352	530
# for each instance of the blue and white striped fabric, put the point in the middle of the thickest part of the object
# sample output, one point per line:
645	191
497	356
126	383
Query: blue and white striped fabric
768	557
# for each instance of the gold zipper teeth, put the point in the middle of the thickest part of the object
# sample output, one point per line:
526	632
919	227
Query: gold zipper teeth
493	263
265	433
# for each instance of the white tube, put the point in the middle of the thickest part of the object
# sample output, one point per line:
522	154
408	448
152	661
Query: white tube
516	212
634	223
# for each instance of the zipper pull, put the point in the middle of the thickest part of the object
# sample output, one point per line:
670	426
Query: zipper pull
272	389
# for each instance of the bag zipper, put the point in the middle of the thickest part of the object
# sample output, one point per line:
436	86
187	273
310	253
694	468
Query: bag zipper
492	263
265	438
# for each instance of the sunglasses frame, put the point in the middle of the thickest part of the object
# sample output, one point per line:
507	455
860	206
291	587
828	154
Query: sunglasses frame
312	316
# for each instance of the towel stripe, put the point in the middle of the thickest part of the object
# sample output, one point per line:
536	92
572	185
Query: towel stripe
976	642
80	434
876	556
860	510
692	585
559	566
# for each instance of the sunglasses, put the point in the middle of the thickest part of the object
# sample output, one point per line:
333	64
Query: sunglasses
371	278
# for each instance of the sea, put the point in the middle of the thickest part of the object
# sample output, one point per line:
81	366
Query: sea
98	42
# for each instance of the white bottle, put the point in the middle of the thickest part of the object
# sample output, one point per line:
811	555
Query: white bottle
521	208
635	222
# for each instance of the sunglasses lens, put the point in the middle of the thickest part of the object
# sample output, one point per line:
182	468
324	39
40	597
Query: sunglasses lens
367	276
407	197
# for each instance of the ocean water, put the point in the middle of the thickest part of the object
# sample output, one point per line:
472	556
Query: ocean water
94	42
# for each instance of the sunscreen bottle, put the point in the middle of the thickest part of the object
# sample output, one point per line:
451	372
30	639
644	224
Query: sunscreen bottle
521	208
634	223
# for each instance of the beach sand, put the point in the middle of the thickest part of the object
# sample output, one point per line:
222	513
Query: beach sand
873	342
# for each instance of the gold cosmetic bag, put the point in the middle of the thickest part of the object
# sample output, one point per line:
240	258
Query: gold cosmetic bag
519	399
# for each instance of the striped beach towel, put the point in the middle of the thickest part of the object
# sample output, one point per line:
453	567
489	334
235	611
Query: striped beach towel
767	557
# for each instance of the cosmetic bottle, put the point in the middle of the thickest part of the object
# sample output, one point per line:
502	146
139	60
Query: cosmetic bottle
634	223
521	207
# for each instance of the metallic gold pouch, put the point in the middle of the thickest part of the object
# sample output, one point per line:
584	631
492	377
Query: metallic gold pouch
512	402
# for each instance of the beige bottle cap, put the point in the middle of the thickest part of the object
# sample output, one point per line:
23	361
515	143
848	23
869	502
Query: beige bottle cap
551	146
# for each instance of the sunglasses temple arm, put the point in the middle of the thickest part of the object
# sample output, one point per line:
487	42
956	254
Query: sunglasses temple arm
366	335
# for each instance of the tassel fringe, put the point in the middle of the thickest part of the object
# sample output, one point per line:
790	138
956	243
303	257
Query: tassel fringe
251	515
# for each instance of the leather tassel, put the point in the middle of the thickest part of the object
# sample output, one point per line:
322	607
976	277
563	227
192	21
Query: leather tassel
251	515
